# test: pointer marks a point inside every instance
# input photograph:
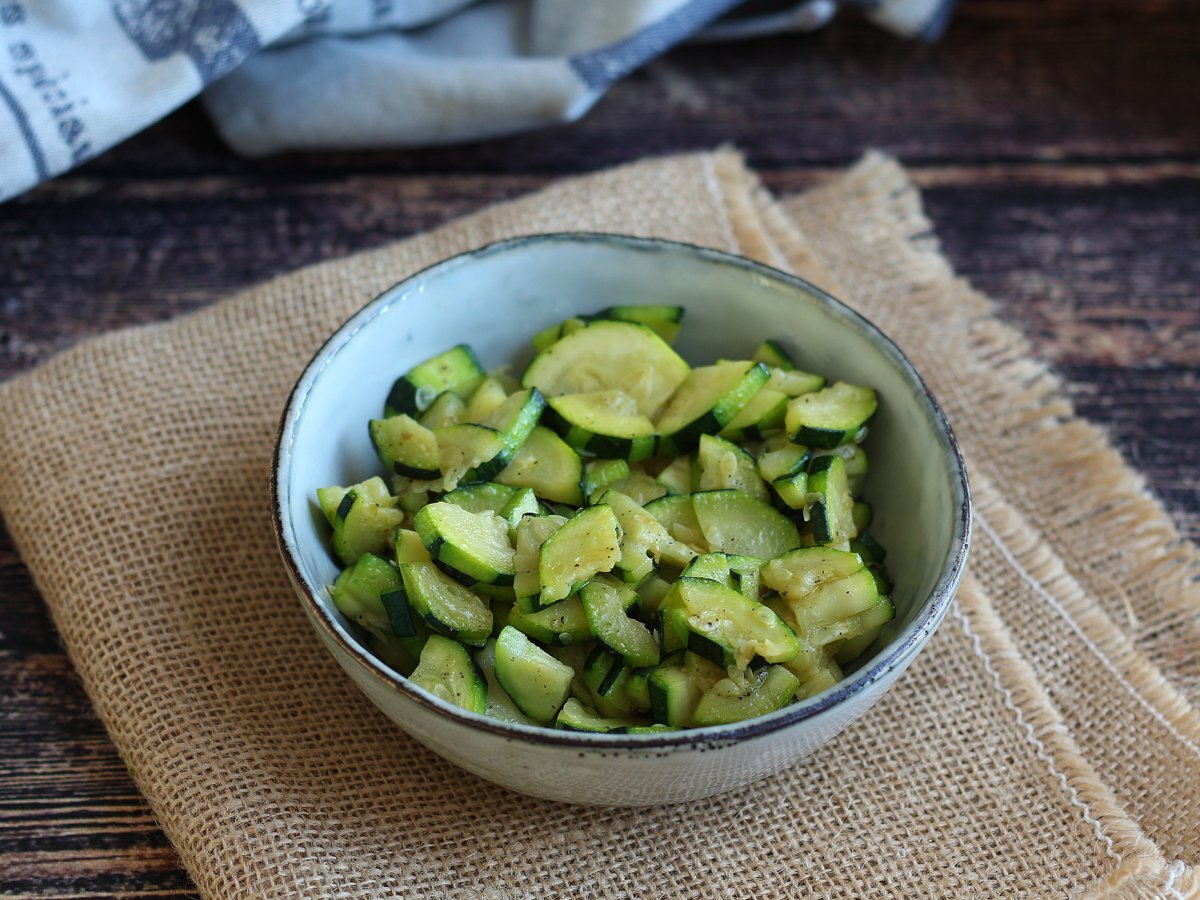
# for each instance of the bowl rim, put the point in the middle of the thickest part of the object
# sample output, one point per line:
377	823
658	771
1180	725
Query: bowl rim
896	655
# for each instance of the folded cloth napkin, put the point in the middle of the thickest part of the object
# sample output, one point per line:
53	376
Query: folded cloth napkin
78	76
1045	742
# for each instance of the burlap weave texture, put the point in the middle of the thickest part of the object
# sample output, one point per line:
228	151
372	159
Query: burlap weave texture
1046	741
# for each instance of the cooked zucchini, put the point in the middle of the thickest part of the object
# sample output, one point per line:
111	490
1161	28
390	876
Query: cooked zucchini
604	604
448	672
547	465
359	589
455	370
734	522
603	423
364	525
724	465
446	410
707	401
588	544
471	547
764	413
499	704
537	682
831	508
560	623
446	606
724	626
732	700
832	416
532	532
468	453
405	446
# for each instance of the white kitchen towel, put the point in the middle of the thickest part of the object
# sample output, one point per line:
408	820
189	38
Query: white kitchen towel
78	76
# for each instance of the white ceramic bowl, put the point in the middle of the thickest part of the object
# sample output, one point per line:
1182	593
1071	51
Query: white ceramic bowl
495	298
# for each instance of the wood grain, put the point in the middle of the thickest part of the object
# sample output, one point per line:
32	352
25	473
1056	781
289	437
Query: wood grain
1058	144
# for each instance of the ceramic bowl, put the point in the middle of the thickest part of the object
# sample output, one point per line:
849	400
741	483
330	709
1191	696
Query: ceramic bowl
495	298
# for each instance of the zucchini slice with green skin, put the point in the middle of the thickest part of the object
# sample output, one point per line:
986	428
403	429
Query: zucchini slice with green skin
868	548
548	336
677	685
588	544
448	672
604	604
792	490
827	592
456	370
358	592
601	474
410	548
610	355
772	354
861	514
499	704
546	464
650	594
515	418
677	514
641	488
741	573
725	626
574	716
677	476
764	413
405	446
707	401
532	532
664	320
401	654
446	410
477	498
330	499
643	537
826	676
734	522
871	624
800	572
465	452
831	416
725	465
485	400
729	701
831	507
781	457
558	624
468	546
603	423
447	607
537	682
794	383
362	525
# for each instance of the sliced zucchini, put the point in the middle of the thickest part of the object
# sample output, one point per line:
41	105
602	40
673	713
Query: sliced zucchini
362	525
601	474
532	532
484	401
732	700
574	716
469	546
643	537
856	464
330	499
604	604
678	515
499	704
725	465
772	354
650	594
677	476
547	465
455	370
515	418
405	446
558	624
707	401
831	416
465	452
778	458
641	487
448	672
868	548
734	522
764	413
410	548
825	590
724	626
871	622
486	497
446	410
588	544
826	676
537	682
446	606
861	514
401	654
610	355
358	592
883	581
603	423
830	506
740	573
793	383
676	687
793	490
664	320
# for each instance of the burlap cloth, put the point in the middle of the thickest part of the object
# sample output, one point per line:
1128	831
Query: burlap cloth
1046	742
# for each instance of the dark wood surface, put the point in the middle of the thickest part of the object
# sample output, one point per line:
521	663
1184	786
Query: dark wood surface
1058	142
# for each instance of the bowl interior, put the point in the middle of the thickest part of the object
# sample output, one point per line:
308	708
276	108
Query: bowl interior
496	298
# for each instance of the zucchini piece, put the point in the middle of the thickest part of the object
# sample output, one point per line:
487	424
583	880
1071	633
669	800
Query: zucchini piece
856	464
772	354
798	573
734	522
401	654
778	458
794	383
574	716
446	410
548	336
499	704
707	401
448	672
650	594
643	537
677	476
883	581
358	592
678	515
600	474
832	416
604	604
478	498
465	451
547	465
560	623
603	423
515	418
362	525
826	676
827	592
861	514
445	605
604	676
665	321
792	490
676	687
537	682
641	488
330	499
869	549
410	548
830	507
764	412
532	532
730	701
724	465
484	401
610	355
871	622
724	626
456	370
741	573
405	446
637	690
586	545
469	546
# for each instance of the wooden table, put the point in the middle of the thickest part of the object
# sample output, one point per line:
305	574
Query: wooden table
1058	143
